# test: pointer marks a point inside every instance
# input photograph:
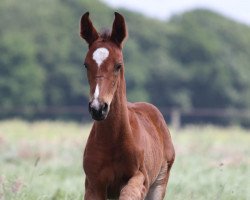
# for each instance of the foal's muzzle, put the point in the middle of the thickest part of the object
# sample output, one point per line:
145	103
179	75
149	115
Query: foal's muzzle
98	112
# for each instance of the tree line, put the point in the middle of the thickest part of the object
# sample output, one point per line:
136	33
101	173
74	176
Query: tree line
198	59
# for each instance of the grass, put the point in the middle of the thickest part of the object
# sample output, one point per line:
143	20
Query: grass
43	161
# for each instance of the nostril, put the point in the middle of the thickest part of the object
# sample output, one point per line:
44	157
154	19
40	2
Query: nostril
105	107
90	107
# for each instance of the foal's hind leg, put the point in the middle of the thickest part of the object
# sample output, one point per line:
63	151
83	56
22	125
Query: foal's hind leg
158	189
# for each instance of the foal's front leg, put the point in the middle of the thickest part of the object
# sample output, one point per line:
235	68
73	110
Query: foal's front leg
94	191
135	188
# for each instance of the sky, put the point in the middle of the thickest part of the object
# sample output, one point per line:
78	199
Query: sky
238	10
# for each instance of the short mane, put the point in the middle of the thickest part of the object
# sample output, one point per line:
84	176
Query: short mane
105	34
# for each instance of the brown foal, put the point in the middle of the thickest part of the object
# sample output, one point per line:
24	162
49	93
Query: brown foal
129	152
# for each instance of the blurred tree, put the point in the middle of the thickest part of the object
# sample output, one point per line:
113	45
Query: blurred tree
198	59
21	78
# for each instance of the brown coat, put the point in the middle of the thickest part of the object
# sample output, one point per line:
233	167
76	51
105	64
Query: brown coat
129	152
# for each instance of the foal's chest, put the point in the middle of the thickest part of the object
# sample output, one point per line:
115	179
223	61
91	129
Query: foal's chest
110	166
111	163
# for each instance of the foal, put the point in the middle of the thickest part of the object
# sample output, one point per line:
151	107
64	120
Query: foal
129	152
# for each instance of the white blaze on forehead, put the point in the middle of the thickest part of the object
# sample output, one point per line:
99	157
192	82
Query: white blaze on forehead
100	55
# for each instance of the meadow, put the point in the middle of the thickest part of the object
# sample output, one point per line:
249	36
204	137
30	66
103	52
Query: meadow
43	161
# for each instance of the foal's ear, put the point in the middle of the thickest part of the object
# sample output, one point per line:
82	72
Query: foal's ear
87	30
119	30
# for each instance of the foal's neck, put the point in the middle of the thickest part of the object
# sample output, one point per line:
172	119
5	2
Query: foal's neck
116	126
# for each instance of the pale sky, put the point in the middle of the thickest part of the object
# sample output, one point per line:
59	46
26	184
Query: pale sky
238	10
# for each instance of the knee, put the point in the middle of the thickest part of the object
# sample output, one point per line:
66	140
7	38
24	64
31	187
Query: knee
133	193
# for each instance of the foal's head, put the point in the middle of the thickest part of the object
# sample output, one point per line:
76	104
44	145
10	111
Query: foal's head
104	63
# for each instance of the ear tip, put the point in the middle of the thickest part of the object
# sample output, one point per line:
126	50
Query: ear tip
86	14
118	14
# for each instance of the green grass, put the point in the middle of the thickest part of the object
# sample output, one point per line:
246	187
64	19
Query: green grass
43	161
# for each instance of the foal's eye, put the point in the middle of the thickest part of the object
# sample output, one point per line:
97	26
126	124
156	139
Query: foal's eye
85	65
118	66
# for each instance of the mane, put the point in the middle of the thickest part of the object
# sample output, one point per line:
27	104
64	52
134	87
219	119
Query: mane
105	34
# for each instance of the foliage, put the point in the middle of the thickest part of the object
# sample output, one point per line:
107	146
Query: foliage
198	59
18	70
43	160
212	48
